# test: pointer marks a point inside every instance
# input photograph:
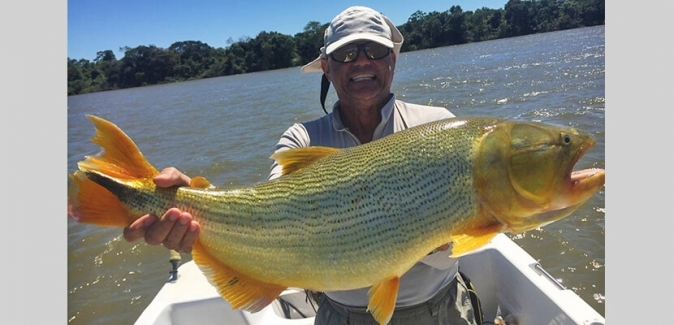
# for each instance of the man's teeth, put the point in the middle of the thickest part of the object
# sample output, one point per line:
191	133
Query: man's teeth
362	77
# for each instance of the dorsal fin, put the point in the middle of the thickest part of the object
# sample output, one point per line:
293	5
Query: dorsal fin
293	160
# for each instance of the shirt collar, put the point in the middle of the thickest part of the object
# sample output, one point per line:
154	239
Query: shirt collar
386	113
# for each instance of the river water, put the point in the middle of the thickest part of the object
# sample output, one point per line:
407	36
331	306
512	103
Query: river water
226	128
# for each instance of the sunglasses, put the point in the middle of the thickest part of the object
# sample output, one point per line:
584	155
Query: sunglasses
348	53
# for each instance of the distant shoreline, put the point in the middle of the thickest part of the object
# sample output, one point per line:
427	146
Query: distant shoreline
147	65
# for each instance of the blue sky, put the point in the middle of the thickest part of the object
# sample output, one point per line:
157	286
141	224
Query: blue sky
95	25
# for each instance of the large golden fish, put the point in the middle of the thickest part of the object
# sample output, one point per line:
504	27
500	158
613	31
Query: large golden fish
350	218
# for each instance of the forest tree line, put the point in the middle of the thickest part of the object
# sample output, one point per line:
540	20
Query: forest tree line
188	60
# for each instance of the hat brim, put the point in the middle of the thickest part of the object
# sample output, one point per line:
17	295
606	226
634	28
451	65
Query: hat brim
313	66
358	37
396	42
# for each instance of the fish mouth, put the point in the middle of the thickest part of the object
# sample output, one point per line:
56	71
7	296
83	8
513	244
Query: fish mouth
584	183
585	180
580	176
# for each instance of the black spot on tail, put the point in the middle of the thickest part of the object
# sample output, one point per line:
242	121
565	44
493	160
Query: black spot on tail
122	191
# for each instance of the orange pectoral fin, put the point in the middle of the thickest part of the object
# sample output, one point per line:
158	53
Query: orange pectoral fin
241	291
383	298
200	182
473	239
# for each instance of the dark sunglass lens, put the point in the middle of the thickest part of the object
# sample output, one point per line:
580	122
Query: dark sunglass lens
376	51
345	54
373	51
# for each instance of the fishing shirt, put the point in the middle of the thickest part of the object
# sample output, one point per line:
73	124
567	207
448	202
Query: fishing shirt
432	272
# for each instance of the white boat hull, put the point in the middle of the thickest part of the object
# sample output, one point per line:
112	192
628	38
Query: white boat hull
506	278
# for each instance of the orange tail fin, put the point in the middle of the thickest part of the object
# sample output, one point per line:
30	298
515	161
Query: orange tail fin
89	202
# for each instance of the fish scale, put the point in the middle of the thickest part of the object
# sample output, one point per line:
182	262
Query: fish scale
342	219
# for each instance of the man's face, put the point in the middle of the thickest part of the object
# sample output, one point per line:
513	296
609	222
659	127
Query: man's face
367	81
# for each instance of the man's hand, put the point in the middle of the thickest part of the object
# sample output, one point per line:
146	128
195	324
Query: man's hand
175	229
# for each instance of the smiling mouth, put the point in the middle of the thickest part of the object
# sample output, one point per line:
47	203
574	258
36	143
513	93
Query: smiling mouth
363	77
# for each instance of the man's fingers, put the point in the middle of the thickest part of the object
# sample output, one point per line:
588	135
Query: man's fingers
138	228
190	237
175	237
175	229
157	234
171	176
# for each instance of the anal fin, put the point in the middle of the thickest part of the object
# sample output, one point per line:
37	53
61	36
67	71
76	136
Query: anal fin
241	291
383	296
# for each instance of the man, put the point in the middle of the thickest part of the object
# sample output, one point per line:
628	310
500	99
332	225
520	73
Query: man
360	50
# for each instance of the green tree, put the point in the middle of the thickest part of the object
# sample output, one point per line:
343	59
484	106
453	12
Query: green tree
76	78
235	63
412	32
308	42
145	65
272	51
570	15
458	28
106	55
219	64
594	12
193	59
520	17
546	16
483	24
432	28
107	71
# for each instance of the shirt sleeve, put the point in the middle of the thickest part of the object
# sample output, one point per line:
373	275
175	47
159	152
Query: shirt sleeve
295	136
415	114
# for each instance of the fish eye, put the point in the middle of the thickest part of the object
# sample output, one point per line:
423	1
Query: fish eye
566	139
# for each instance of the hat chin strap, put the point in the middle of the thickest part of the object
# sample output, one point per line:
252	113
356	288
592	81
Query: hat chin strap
325	85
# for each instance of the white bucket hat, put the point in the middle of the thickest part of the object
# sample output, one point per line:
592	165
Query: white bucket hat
354	24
